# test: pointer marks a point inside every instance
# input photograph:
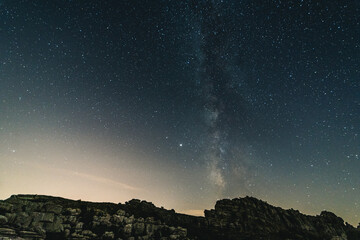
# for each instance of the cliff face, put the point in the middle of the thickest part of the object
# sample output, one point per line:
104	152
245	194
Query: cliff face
44	217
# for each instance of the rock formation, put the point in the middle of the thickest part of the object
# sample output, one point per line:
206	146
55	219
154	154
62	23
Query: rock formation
250	218
45	217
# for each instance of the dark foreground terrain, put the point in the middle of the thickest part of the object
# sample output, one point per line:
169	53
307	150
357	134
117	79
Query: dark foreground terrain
45	217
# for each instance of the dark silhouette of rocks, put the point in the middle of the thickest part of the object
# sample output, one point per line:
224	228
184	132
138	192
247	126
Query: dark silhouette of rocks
46	217
250	218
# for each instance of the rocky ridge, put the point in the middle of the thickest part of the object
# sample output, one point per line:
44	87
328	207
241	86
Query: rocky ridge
45	217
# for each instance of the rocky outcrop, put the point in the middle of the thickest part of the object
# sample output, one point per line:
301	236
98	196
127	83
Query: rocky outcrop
45	217
250	218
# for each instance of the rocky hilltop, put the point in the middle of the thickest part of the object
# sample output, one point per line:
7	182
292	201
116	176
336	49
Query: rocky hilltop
45	217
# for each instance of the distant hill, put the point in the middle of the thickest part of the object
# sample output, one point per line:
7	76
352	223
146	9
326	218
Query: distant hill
46	217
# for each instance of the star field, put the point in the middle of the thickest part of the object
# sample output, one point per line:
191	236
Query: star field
182	102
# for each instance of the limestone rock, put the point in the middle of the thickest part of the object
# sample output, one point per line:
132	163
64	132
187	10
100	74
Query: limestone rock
3	220
6	207
43	217
139	228
129	220
23	220
30	235
104	219
77	236
70	219
89	233
149	229
72	211
66	233
10	217
53	208
7	231
117	219
55	226
79	226
120	212
108	235
128	229
39	228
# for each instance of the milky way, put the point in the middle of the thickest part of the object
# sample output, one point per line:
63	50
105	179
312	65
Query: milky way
219	101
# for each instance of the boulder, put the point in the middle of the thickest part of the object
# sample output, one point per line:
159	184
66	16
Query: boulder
149	229
104	220
128	229
139	228
3	220
79	226
108	235
77	236
72	220
67	233
22	220
129	220
72	211
55	226
117	219
121	212
89	233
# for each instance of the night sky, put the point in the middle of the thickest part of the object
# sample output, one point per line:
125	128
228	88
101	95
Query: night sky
182	103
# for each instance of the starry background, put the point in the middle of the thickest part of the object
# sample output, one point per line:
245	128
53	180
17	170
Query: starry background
182	102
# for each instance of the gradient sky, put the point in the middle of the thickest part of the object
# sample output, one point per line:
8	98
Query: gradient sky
182	102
